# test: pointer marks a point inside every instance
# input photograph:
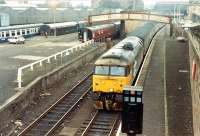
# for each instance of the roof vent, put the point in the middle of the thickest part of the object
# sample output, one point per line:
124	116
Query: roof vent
128	46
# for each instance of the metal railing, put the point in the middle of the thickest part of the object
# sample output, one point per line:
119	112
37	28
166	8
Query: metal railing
33	70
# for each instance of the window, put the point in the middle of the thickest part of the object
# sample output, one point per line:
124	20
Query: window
126	99
4	34
117	71
13	33
7	34
18	32
101	70
23	32
132	99
28	31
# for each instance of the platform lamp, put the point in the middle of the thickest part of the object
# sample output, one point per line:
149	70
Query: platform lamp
53	4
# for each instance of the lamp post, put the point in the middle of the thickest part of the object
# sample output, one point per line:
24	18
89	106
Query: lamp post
53	5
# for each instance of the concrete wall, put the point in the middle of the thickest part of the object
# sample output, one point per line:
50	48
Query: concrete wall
130	25
195	85
26	96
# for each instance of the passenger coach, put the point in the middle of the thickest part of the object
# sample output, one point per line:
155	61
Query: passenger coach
61	28
99	32
19	30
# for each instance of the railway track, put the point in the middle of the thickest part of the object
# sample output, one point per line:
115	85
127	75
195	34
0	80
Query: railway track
48	122
102	123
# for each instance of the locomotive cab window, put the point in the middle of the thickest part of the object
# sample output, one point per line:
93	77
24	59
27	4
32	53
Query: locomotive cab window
101	70
117	71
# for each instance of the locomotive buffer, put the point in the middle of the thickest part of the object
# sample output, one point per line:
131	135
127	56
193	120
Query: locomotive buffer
132	113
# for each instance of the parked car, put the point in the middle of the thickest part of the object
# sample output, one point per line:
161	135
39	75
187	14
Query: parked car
16	39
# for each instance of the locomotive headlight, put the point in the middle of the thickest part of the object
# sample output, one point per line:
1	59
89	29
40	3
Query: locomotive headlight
111	89
102	82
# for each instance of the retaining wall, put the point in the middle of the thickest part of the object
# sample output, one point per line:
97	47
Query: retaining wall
25	96
195	83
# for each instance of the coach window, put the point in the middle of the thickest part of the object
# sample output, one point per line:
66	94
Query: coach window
101	70
13	33
8	33
32	30
36	29
3	34
117	71
18	32
28	31
23	32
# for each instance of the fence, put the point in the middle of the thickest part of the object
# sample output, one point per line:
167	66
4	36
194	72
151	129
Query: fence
30	72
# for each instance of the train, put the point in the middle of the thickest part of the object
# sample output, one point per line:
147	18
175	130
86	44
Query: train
85	32
119	66
99	32
50	29
61	28
24	30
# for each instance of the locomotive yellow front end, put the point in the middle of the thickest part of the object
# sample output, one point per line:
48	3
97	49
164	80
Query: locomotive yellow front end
108	83
114	70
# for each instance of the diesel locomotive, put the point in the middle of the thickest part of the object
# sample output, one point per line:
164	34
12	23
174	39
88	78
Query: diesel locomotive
119	66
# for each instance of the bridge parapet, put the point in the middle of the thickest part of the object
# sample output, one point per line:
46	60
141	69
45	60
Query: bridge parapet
129	16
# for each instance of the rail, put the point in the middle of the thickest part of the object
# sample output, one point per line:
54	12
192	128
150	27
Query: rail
48	60
101	123
49	120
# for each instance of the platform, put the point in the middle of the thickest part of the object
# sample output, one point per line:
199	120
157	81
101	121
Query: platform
179	99
13	56
167	95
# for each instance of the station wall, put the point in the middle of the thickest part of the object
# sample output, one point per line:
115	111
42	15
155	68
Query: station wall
195	84
130	25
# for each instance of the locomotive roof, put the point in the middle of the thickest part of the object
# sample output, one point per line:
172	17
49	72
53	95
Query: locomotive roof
97	27
123	53
61	25
143	30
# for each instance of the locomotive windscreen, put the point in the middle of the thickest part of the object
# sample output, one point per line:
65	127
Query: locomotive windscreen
111	70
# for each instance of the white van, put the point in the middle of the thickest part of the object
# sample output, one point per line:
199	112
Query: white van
16	39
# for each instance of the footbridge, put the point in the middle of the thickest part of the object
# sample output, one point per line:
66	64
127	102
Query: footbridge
127	15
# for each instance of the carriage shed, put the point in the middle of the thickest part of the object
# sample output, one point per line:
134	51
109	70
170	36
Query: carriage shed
4	19
60	28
